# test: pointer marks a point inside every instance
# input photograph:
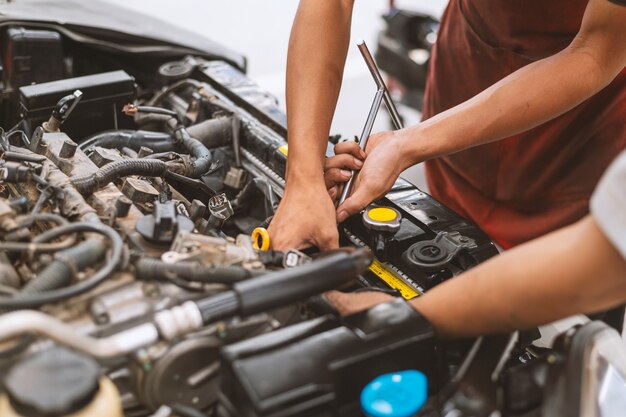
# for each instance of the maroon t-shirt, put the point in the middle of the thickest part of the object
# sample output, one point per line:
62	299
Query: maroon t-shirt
525	186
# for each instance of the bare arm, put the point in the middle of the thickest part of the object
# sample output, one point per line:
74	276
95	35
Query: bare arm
571	271
536	93
317	53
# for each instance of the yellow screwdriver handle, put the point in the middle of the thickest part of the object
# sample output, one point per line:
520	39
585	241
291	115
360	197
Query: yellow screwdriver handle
260	239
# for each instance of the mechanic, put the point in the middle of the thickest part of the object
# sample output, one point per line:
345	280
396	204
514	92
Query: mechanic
547	75
577	269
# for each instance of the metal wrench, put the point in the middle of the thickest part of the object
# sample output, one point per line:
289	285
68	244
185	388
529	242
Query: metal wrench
381	94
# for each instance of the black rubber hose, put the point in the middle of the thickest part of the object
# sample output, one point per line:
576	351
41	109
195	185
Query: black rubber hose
133	139
201	154
212	133
60	271
118	169
285	287
148	268
21	301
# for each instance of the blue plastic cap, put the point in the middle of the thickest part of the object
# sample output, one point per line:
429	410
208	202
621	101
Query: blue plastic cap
400	394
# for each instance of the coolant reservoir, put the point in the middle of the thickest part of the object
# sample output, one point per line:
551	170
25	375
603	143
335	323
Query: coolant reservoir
399	394
61	383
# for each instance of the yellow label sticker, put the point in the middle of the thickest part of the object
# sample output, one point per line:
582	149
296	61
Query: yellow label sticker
284	150
395	282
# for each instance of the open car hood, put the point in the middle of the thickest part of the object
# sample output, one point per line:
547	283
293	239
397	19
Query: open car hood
96	21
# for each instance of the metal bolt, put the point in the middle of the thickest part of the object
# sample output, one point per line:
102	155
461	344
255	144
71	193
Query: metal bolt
68	149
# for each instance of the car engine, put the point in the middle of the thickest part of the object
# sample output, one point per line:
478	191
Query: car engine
130	190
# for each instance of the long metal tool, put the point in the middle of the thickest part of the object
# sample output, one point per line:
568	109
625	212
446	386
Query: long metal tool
367	130
380	83
382	94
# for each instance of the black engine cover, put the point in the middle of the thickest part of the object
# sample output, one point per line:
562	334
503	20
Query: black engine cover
319	367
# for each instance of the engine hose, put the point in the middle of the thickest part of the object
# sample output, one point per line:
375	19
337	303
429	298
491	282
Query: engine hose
156	269
148	167
22	301
133	139
285	287
201	154
202	157
212	133
61	270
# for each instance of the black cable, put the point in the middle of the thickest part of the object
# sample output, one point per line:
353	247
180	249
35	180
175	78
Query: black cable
156	110
37	300
38	245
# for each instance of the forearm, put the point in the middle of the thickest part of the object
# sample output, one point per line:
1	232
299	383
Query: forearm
317	53
525	99
574	270
534	94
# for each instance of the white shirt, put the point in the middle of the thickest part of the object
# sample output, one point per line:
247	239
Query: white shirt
608	203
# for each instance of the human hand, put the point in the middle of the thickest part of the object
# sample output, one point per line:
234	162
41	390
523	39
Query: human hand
386	159
350	303
348	156
305	217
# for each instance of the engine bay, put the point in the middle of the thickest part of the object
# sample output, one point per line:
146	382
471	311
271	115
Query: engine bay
130	191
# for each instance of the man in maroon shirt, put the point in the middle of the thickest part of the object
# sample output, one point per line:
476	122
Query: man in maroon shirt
525	108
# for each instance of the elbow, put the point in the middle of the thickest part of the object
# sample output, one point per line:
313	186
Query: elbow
600	63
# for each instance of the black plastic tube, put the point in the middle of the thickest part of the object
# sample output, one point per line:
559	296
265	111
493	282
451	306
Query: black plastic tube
60	271
148	268
36	300
285	287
